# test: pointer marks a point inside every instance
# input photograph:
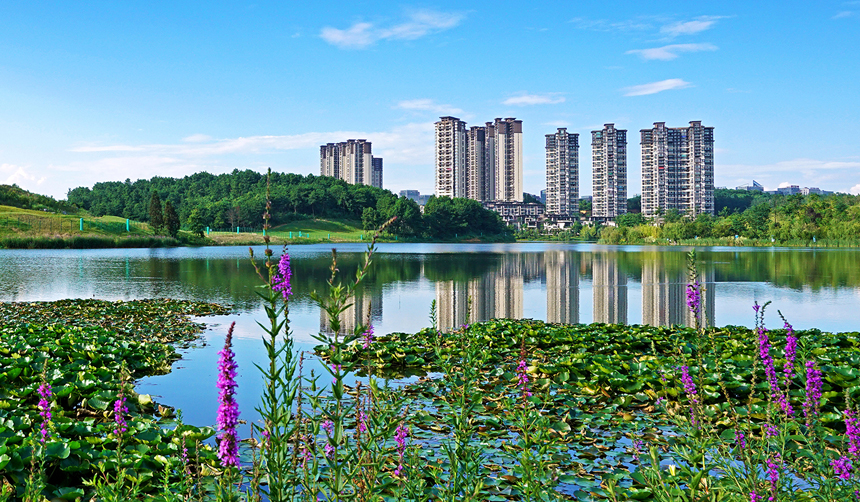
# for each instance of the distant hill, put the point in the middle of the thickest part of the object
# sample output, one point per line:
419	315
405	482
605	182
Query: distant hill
15	196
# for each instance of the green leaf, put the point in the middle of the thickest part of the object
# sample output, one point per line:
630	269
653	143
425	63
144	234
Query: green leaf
58	449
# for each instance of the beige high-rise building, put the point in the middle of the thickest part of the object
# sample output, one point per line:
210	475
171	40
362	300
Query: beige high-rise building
609	172
484	163
451	157
351	161
477	167
509	159
678	169
562	173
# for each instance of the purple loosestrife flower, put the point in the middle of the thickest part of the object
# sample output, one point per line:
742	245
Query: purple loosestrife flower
790	351
523	378
770	430
694	298
328	427
281	279
329	450
754	497
228	408
813	391
45	394
741	439
362	421
842	467
119	411
335	368
368	337
400	436
852	430
776	393
773	474
689	385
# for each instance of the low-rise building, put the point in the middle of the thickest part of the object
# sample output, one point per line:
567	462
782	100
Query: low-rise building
517	214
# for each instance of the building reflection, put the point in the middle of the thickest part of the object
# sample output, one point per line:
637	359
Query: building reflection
495	294
562	286
609	285
366	305
664	292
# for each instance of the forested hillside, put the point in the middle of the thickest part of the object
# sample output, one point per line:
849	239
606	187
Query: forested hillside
239	199
15	196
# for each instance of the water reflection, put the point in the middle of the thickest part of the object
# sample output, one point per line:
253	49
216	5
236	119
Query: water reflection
554	282
664	291
558	283
562	286
610	288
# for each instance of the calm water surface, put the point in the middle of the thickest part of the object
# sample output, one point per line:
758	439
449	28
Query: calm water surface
554	282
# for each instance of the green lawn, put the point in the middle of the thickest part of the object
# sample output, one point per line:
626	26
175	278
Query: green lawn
15	222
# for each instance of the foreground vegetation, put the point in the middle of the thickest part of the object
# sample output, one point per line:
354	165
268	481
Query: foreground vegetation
515	410
87	352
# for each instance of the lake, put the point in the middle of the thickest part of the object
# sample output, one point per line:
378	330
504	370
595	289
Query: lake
813	288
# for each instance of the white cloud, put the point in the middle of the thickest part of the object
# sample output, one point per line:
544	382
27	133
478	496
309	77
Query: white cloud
697	25
418	24
12	174
534	99
401	143
655	87
111	148
843	14
668	52
358	36
557	123
428	105
855	190
197	138
604	25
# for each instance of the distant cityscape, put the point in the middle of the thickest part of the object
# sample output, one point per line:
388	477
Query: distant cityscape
484	163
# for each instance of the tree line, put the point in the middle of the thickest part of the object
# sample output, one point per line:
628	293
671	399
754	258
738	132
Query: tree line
15	196
239	199
783	218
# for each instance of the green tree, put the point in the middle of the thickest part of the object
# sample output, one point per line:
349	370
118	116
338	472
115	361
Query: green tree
156	217
171	219
370	219
195	222
634	204
630	219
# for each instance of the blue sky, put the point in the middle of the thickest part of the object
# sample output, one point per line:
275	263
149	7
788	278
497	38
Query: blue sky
103	91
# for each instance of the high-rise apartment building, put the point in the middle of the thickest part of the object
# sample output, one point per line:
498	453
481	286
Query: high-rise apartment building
351	161
562	173
483	163
376	173
609	172
451	141
678	169
509	159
